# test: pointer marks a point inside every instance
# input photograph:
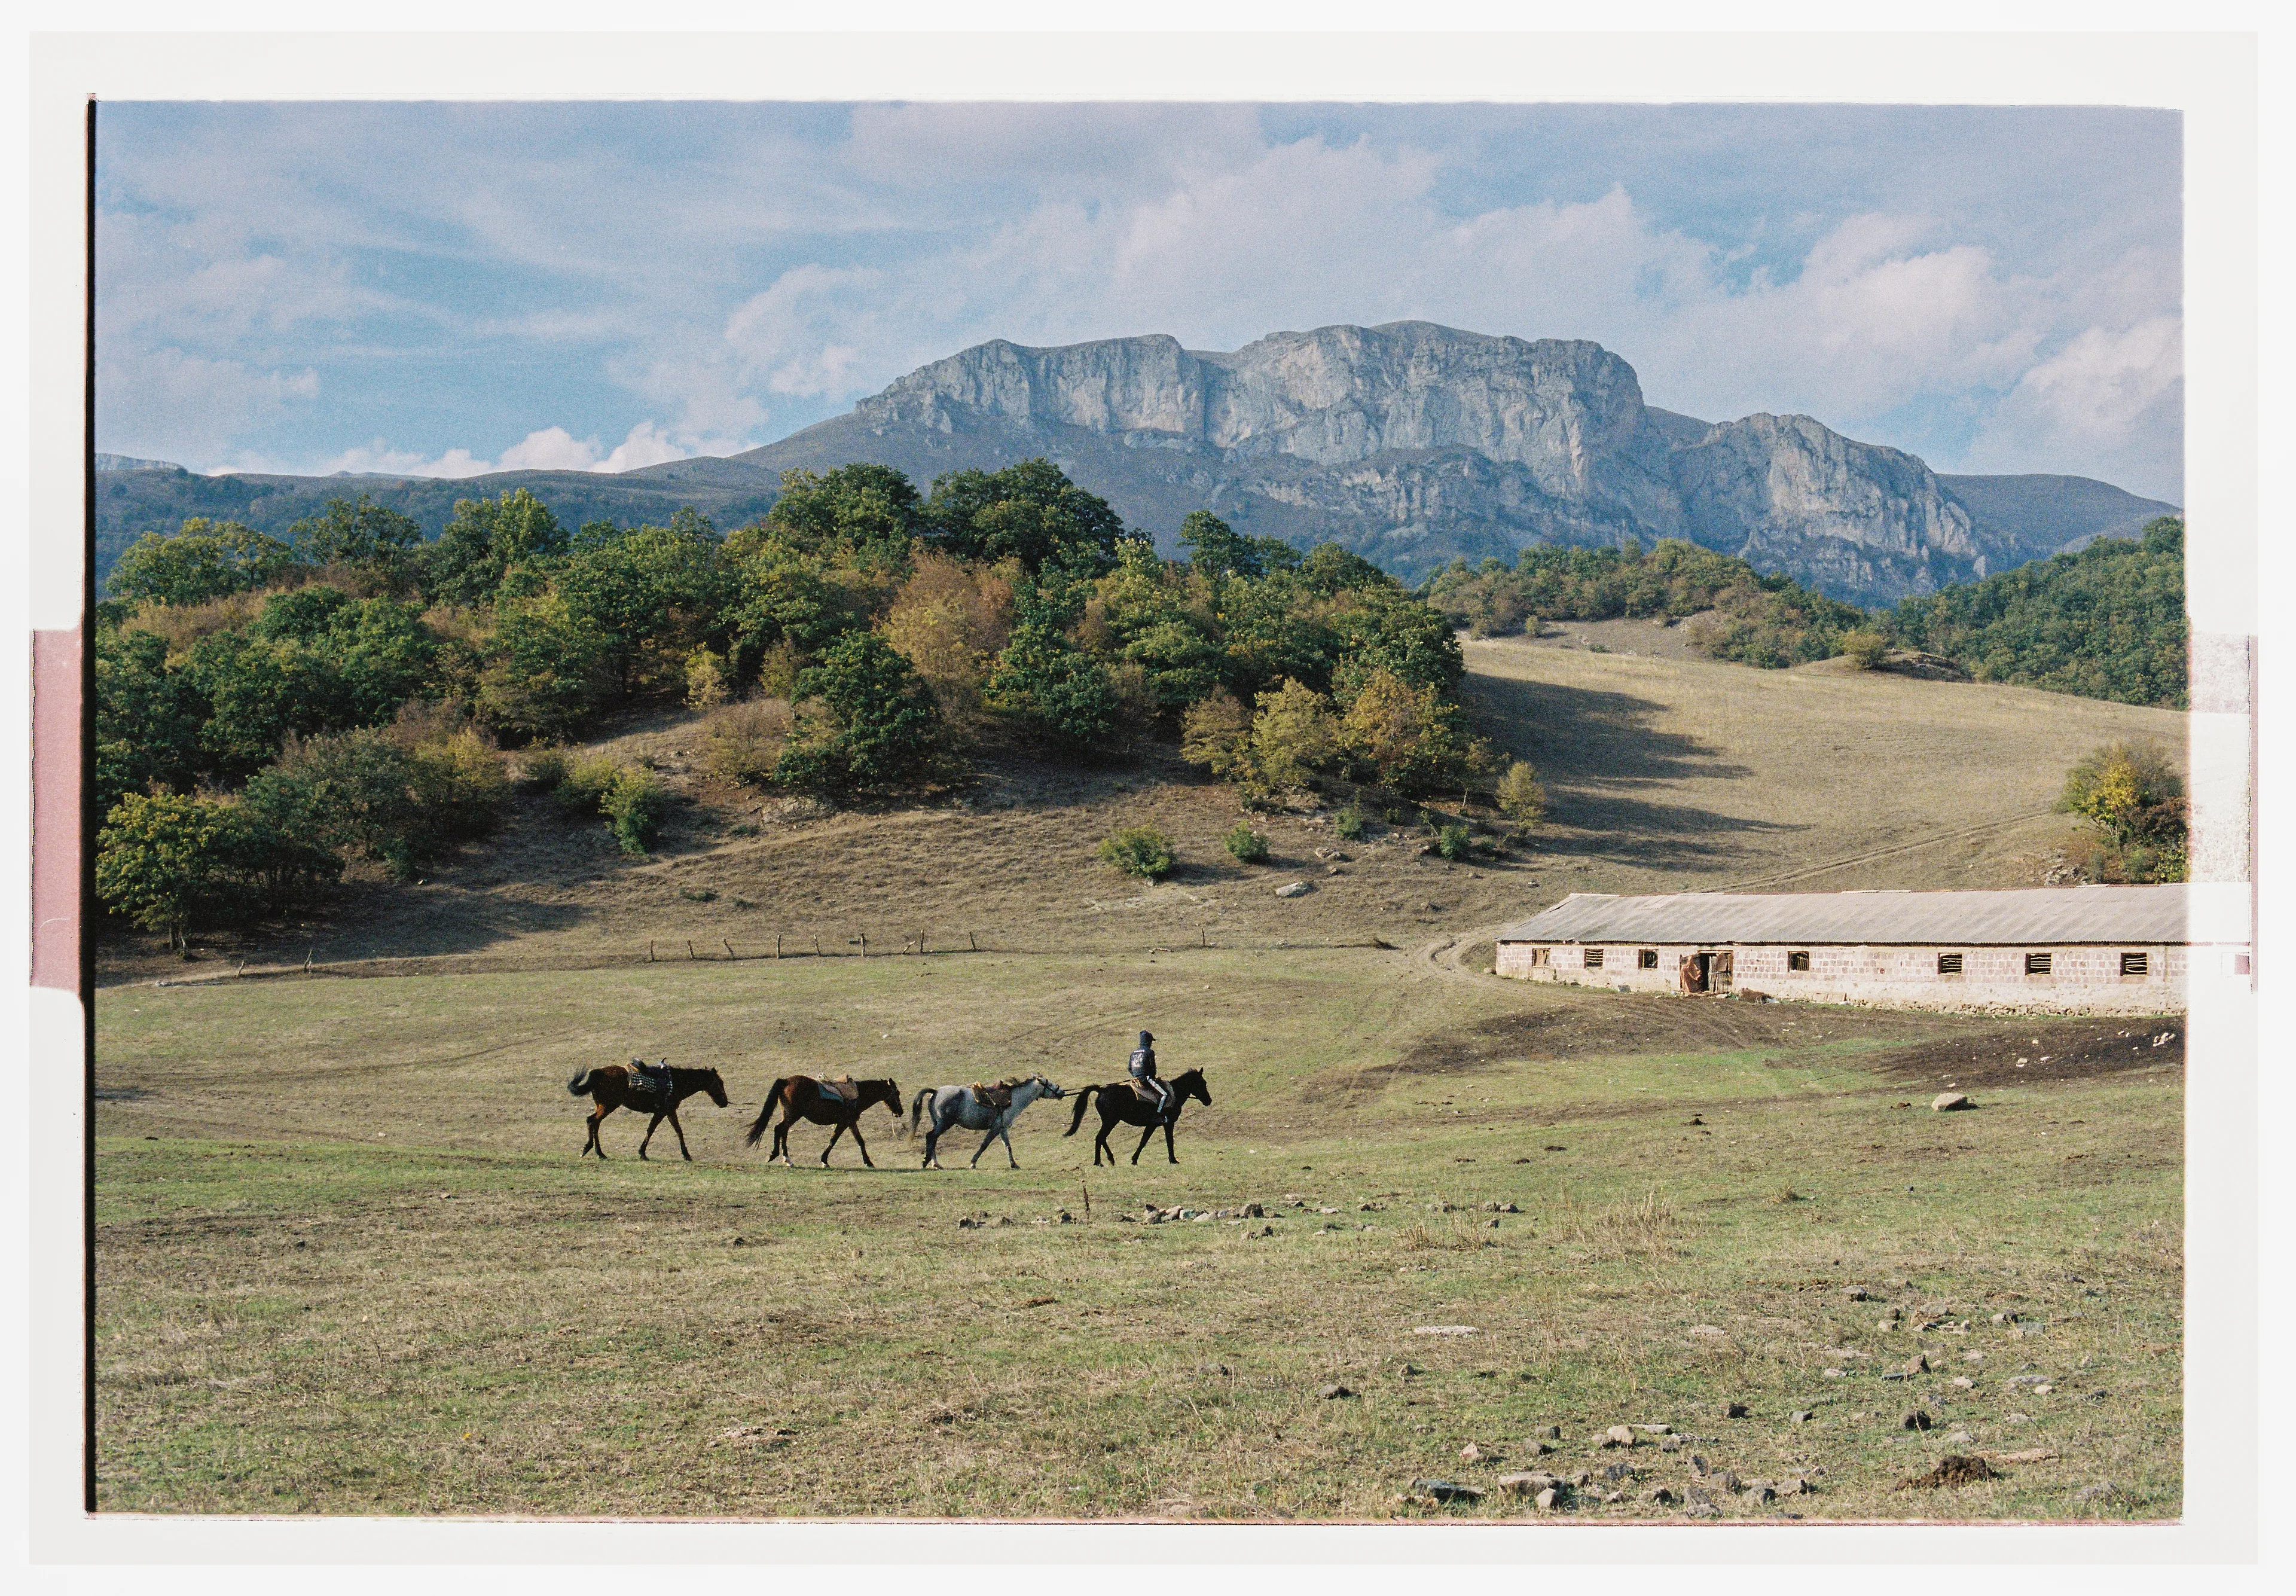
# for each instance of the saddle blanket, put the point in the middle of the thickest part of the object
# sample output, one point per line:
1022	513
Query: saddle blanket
837	1091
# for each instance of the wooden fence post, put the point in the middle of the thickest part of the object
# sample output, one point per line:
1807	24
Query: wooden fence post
729	948
973	941
689	949
865	945
816	944
777	944
648	952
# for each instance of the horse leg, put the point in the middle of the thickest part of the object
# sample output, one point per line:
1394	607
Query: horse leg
984	1146
864	1145
681	1135
1145	1135
651	1129
598	1118
1168	1153
1100	1143
833	1135
781	1139
1004	1134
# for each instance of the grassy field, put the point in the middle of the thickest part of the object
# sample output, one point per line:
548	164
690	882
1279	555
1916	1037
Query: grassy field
349	1263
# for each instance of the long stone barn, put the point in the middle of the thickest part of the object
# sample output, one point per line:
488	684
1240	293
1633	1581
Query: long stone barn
2101	950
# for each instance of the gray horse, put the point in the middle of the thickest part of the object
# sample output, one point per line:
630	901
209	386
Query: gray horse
962	1105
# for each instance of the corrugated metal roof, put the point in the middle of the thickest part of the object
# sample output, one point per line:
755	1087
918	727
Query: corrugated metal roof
2045	915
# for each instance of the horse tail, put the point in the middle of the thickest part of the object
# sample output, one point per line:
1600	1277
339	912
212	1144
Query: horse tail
766	1113
579	1086
1083	1096
916	1108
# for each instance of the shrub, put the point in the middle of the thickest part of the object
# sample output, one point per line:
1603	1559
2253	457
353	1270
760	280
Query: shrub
542	769
635	805
1247	844
744	741
1454	843
457	784
1865	648
1348	824
1293	733
705	678
1216	733
1521	797
1060	691
583	786
1141	850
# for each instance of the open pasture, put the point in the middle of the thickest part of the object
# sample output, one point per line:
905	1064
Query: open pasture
348	1261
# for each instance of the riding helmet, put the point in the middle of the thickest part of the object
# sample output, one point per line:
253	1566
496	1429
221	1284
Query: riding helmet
1146	1038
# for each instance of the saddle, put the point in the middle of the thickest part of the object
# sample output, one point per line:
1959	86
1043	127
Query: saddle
1149	1098
649	1080
999	1098
839	1091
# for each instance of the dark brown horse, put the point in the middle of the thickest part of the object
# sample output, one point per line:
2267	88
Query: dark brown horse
616	1086
821	1102
1119	1104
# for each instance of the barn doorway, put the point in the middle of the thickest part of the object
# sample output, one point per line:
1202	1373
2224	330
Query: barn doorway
1706	972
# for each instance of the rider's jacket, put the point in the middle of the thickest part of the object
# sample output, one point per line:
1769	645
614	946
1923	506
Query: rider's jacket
1142	1064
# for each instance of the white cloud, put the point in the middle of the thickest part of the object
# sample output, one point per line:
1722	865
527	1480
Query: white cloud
2103	399
546	448
189	404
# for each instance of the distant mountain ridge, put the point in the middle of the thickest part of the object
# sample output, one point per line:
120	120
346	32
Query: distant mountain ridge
1410	443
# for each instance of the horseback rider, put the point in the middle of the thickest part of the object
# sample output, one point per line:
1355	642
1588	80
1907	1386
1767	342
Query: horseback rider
651	1080
1141	1067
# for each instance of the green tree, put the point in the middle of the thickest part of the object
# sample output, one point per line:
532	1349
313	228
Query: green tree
550	672
1521	797
207	559
357	533
1058	690
2132	793
1293	735
147	719
871	513
1412	738
652	595
486	541
1030	512
169	863
865	722
1216	734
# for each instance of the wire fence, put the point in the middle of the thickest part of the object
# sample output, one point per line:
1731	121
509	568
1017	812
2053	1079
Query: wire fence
781	947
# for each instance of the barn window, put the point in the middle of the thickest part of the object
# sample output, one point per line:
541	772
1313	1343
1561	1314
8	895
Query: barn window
1594	958
1647	959
2036	964
1948	964
1798	959
2134	963
1538	956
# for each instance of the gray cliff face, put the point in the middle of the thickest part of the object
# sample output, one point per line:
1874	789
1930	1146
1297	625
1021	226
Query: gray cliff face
1787	493
1569	414
1414	444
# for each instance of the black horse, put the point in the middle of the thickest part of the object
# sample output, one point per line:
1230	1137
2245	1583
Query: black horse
1119	1104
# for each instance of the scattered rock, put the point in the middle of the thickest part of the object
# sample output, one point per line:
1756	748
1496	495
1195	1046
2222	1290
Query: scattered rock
1470	1453
1660	1496
1734	1410
1334	1392
1214	1368
1444	1490
1548	1497
1669	1443
2103	1491
1803	1416
1961	1438
2035	1454
1702	1510
1947	1100
1528	1483
1552	1432
1965	1382
1859	1294
754	1434
1619	1471
1832	1374
1920	1365
1952	1469
1618	1435
968	1223
2018	1418
1706	1330
1295	889
1755	1495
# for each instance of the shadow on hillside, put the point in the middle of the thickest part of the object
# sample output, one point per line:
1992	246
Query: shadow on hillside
1580	735
377	922
1586	745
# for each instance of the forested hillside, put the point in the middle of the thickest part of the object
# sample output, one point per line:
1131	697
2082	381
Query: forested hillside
2106	622
1743	616
269	709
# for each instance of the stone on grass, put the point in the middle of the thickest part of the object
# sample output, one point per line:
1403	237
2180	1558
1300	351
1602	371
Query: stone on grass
1658	1495
1755	1495
1529	1483
1444	1490
1548	1497
1618	1435
1295	889
1333	1391
1946	1100
1803	1416
1734	1410
1470	1453
1552	1432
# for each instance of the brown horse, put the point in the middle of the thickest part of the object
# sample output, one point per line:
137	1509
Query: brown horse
1119	1104
803	1098
615	1086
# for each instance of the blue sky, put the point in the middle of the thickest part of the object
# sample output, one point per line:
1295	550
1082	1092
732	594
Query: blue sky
453	288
